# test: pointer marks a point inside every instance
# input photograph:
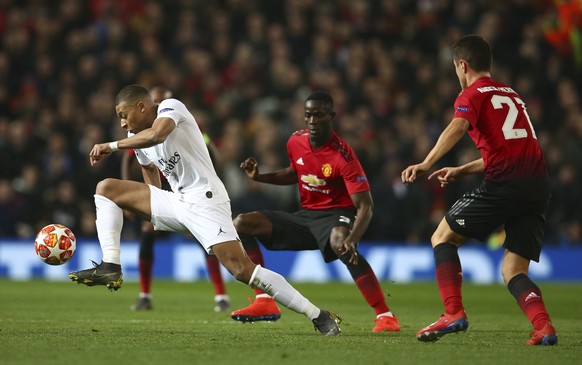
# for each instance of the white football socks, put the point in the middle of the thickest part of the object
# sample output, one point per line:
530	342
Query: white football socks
282	292
109	223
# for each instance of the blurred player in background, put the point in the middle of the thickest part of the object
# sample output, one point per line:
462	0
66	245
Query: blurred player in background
166	138
336	210
148	234
514	192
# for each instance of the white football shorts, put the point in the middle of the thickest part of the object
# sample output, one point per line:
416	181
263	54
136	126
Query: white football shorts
209	224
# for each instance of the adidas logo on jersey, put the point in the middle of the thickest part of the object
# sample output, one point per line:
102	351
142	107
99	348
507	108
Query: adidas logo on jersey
461	222
300	161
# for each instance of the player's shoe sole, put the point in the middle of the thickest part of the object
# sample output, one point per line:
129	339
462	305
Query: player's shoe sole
106	274
247	318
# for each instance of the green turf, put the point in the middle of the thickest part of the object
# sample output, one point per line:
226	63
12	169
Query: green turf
64	323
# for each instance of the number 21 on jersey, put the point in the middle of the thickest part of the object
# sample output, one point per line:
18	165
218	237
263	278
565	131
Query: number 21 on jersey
508	126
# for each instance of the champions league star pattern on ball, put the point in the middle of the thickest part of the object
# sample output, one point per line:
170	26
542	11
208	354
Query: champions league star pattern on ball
55	244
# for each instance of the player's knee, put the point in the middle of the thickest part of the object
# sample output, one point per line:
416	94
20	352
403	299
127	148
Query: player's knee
435	240
241	222
336	239
249	223
106	187
337	248
337	253
448	236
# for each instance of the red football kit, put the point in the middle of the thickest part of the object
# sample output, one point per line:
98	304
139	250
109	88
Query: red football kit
327	175
501	129
514	195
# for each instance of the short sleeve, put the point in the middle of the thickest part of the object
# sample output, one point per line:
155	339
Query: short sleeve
354	177
168	109
465	108
142	158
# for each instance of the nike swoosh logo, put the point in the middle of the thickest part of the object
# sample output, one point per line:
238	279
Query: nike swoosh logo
100	276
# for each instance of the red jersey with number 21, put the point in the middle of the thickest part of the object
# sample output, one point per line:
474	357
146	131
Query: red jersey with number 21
501	129
327	175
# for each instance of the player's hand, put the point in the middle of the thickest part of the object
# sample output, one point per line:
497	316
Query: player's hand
349	246
413	172
250	167
98	152
445	175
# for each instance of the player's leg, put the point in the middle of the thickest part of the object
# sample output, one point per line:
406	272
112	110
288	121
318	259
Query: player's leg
448	268
221	299
233	257
263	308
529	298
213	226
111	197
366	281
524	235
145	266
449	278
476	214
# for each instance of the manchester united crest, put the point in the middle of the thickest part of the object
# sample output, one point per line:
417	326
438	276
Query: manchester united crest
326	170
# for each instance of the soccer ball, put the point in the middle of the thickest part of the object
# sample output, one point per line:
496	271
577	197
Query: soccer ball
55	244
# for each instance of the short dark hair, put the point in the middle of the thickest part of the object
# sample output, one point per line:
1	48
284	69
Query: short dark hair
475	50
322	96
131	93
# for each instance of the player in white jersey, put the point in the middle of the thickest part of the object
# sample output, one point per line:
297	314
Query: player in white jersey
148	235
166	138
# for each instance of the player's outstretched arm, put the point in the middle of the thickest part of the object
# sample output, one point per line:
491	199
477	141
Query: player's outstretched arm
447	140
447	175
284	176
148	137
251	167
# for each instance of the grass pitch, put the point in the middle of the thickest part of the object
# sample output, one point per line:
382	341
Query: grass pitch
47	323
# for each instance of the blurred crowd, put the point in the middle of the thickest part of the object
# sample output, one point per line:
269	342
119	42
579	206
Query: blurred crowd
244	67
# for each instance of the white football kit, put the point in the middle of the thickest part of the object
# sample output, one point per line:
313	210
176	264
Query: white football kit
199	202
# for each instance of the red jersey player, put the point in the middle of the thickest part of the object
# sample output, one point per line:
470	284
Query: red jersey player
336	208
514	192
